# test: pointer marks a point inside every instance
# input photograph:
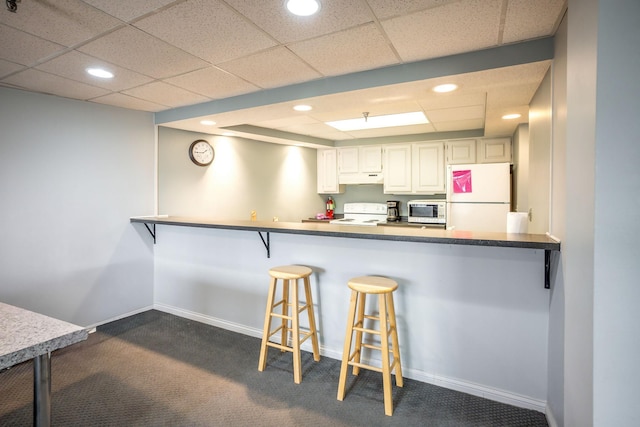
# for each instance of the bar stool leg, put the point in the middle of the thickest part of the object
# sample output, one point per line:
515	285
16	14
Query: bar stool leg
262	364
386	374
347	345
394	341
295	335
284	340
312	320
362	299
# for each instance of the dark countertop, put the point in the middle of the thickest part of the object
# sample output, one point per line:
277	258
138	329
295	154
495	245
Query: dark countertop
395	233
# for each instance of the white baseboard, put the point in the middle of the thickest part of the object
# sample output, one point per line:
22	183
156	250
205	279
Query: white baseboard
121	316
498	395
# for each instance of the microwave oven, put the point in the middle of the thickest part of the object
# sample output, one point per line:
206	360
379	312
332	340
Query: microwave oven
427	211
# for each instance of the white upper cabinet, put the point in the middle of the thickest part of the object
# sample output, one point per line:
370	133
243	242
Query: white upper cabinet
414	168
461	152
397	169
360	165
328	172
428	168
494	150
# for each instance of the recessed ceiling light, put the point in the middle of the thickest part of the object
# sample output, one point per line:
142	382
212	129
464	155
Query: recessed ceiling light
390	120
207	122
448	87
511	116
99	72
303	7
302	107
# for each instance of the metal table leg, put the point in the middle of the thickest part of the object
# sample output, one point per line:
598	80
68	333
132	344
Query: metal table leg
42	390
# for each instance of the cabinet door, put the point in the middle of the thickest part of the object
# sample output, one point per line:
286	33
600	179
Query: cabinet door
370	158
328	172
428	168
461	152
397	169
495	150
348	160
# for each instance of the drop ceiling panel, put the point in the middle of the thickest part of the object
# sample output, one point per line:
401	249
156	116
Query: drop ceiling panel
52	84
29	50
271	68
7	67
66	22
348	51
165	94
526	19
446	30
213	83
126	101
454	114
459	125
398	130
72	65
456	99
207	29
140	52
128	10
334	16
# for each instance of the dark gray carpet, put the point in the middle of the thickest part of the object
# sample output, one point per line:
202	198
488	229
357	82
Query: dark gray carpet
156	369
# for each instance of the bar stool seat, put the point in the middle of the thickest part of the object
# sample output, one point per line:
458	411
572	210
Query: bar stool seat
290	309
383	288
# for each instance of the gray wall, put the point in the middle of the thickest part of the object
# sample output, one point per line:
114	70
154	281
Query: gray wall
273	180
71	175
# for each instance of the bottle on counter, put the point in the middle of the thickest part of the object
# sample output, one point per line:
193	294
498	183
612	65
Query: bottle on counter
330	207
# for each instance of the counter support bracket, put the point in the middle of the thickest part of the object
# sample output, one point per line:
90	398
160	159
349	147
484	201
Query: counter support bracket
547	268
153	233
266	243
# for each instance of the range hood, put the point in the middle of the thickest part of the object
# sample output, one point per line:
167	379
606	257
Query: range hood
361	178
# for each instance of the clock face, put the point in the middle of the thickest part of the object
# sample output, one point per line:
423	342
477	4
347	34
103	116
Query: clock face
201	153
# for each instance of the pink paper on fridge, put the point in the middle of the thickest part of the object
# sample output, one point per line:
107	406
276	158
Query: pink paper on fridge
462	181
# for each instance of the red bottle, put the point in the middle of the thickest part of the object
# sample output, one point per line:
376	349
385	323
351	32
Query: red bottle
330	206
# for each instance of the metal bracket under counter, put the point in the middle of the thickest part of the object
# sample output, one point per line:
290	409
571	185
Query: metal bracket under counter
266	242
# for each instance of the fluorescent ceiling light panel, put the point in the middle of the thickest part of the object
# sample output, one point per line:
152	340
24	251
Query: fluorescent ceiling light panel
99	72
375	122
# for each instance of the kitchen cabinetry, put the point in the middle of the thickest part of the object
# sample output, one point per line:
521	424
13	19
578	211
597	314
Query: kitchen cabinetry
494	150
328	172
360	165
414	168
461	152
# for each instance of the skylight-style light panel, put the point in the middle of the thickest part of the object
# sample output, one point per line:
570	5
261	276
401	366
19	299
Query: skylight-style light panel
376	122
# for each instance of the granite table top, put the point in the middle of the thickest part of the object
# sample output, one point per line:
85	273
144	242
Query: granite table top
25	335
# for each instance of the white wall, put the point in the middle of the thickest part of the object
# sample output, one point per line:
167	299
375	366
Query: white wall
616	270
71	175
470	318
274	180
521	168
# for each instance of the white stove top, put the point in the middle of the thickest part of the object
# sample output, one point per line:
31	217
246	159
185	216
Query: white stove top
367	214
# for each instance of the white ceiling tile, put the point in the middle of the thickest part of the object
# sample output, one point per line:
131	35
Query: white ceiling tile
451	100
348	51
453	114
140	52
398	130
126	101
271	68
388	9
66	22
73	65
129	10
457	125
527	20
29	50
165	94
39	81
7	67
453	28
275	19
227	35
213	83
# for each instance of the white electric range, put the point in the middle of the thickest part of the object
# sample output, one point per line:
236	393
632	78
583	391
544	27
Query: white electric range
368	214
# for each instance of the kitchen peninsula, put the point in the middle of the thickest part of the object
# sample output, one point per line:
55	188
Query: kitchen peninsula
472	310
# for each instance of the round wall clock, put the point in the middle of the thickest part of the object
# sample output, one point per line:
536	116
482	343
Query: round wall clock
201	152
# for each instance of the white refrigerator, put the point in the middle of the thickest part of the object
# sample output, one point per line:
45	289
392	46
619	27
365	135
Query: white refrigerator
478	197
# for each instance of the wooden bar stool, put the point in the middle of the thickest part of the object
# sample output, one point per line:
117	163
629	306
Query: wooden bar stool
383	287
287	274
